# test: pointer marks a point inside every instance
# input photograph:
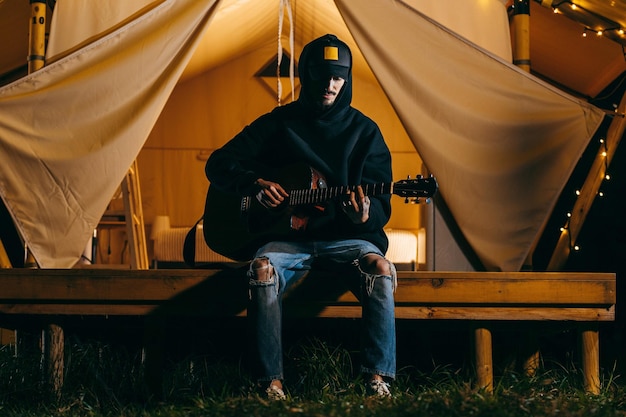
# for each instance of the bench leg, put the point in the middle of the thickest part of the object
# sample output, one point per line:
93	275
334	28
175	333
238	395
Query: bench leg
531	354
153	356
53	350
590	343
484	359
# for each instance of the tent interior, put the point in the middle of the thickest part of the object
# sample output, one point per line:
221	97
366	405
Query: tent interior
230	80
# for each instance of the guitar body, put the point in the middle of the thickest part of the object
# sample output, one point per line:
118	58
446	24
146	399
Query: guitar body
236	227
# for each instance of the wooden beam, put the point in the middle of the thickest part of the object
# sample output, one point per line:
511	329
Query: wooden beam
415	287
589	190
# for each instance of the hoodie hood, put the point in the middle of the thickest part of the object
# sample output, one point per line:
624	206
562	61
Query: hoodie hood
320	59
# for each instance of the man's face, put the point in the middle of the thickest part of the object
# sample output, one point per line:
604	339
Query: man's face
326	90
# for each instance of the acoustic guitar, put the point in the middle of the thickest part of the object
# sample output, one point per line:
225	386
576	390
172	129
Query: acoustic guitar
236	226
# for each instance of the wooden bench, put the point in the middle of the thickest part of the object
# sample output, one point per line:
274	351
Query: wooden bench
48	296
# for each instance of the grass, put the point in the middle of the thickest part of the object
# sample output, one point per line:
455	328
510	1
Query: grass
105	379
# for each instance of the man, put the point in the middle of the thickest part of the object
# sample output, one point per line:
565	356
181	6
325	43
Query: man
345	147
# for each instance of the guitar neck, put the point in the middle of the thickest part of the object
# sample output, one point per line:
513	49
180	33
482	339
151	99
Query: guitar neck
320	195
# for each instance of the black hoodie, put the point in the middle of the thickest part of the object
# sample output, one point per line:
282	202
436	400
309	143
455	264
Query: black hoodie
344	145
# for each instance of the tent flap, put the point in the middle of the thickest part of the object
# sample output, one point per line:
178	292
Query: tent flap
69	132
501	143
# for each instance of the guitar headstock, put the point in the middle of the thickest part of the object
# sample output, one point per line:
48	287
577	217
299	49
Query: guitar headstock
415	189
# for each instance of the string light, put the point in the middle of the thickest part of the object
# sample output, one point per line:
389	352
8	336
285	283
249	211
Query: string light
607	28
603	152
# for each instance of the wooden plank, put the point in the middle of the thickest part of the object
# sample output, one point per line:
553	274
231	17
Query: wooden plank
414	287
481	313
96	284
517	290
498	313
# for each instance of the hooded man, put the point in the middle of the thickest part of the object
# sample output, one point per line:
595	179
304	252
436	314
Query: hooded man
340	149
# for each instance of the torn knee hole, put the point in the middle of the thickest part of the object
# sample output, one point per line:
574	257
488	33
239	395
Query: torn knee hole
376	264
262	270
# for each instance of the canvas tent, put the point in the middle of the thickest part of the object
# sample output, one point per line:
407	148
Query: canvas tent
501	142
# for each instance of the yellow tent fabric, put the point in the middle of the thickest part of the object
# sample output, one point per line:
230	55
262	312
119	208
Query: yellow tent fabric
500	142
69	132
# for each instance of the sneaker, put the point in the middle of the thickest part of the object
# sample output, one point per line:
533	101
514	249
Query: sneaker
275	394
378	388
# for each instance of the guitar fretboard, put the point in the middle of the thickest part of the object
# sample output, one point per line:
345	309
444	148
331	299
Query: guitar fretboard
319	195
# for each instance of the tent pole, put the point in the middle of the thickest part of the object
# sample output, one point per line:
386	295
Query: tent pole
36	61
52	337
37	38
521	34
521	58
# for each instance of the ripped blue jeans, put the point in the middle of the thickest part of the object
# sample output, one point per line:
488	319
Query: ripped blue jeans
288	262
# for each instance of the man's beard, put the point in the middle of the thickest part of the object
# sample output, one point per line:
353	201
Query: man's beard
324	106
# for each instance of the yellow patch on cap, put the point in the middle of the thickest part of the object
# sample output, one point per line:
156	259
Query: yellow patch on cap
331	53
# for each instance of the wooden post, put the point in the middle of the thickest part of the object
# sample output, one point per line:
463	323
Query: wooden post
37	36
532	360
484	359
153	356
53	348
590	342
